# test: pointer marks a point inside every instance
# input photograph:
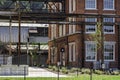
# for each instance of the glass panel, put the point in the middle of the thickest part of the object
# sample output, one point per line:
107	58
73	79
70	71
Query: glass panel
108	4
90	4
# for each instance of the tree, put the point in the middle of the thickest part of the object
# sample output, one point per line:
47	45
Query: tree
2	2
98	37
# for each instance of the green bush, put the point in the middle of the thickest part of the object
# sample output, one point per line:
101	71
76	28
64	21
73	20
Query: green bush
99	72
115	73
49	67
72	70
54	68
64	70
86	71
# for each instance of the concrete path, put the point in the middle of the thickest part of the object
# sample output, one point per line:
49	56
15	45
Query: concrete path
38	72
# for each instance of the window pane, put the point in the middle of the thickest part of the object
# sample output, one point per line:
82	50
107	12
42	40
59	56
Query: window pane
90	4
108	20
90	51
108	51
90	28
90	19
108	4
109	29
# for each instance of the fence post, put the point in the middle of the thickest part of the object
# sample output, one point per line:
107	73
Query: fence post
24	73
91	67
58	63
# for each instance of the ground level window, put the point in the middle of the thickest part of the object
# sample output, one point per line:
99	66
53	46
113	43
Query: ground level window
109	49
90	51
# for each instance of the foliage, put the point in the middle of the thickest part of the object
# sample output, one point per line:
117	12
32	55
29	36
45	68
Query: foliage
99	72
64	70
72	70
115	72
55	68
49	67
2	2
86	71
97	36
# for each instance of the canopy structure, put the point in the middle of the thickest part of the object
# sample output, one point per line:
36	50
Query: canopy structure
32	10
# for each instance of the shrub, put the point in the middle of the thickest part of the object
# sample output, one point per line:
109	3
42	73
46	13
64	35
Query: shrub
98	72
72	70
64	70
87	71
54	68
115	73
49	67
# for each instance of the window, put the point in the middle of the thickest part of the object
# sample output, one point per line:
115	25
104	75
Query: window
109	29
72	28
90	51
72	52
53	54
72	6
62	30
90	19
53	31
90	28
108	4
109	49
90	4
60	7
109	20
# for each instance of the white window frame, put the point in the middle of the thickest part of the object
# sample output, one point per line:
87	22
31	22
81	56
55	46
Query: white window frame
110	43
60	7
89	8
62	30
109	20
90	32
109	4
72	6
112	20
72	54
90	19
53	31
86	48
72	28
109	32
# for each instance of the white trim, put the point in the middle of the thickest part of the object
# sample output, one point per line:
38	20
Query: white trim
108	8
90	42
64	30
111	43
110	32
72	6
90	32
72	55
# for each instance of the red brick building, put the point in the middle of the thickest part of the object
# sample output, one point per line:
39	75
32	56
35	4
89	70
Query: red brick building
78	47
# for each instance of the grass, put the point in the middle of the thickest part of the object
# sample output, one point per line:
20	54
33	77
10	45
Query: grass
80	77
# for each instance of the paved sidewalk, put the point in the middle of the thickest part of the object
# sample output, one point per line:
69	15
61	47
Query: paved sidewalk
38	72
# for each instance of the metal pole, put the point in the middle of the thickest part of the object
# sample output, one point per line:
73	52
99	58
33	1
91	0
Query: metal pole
19	33
58	64
91	74
24	73
10	33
